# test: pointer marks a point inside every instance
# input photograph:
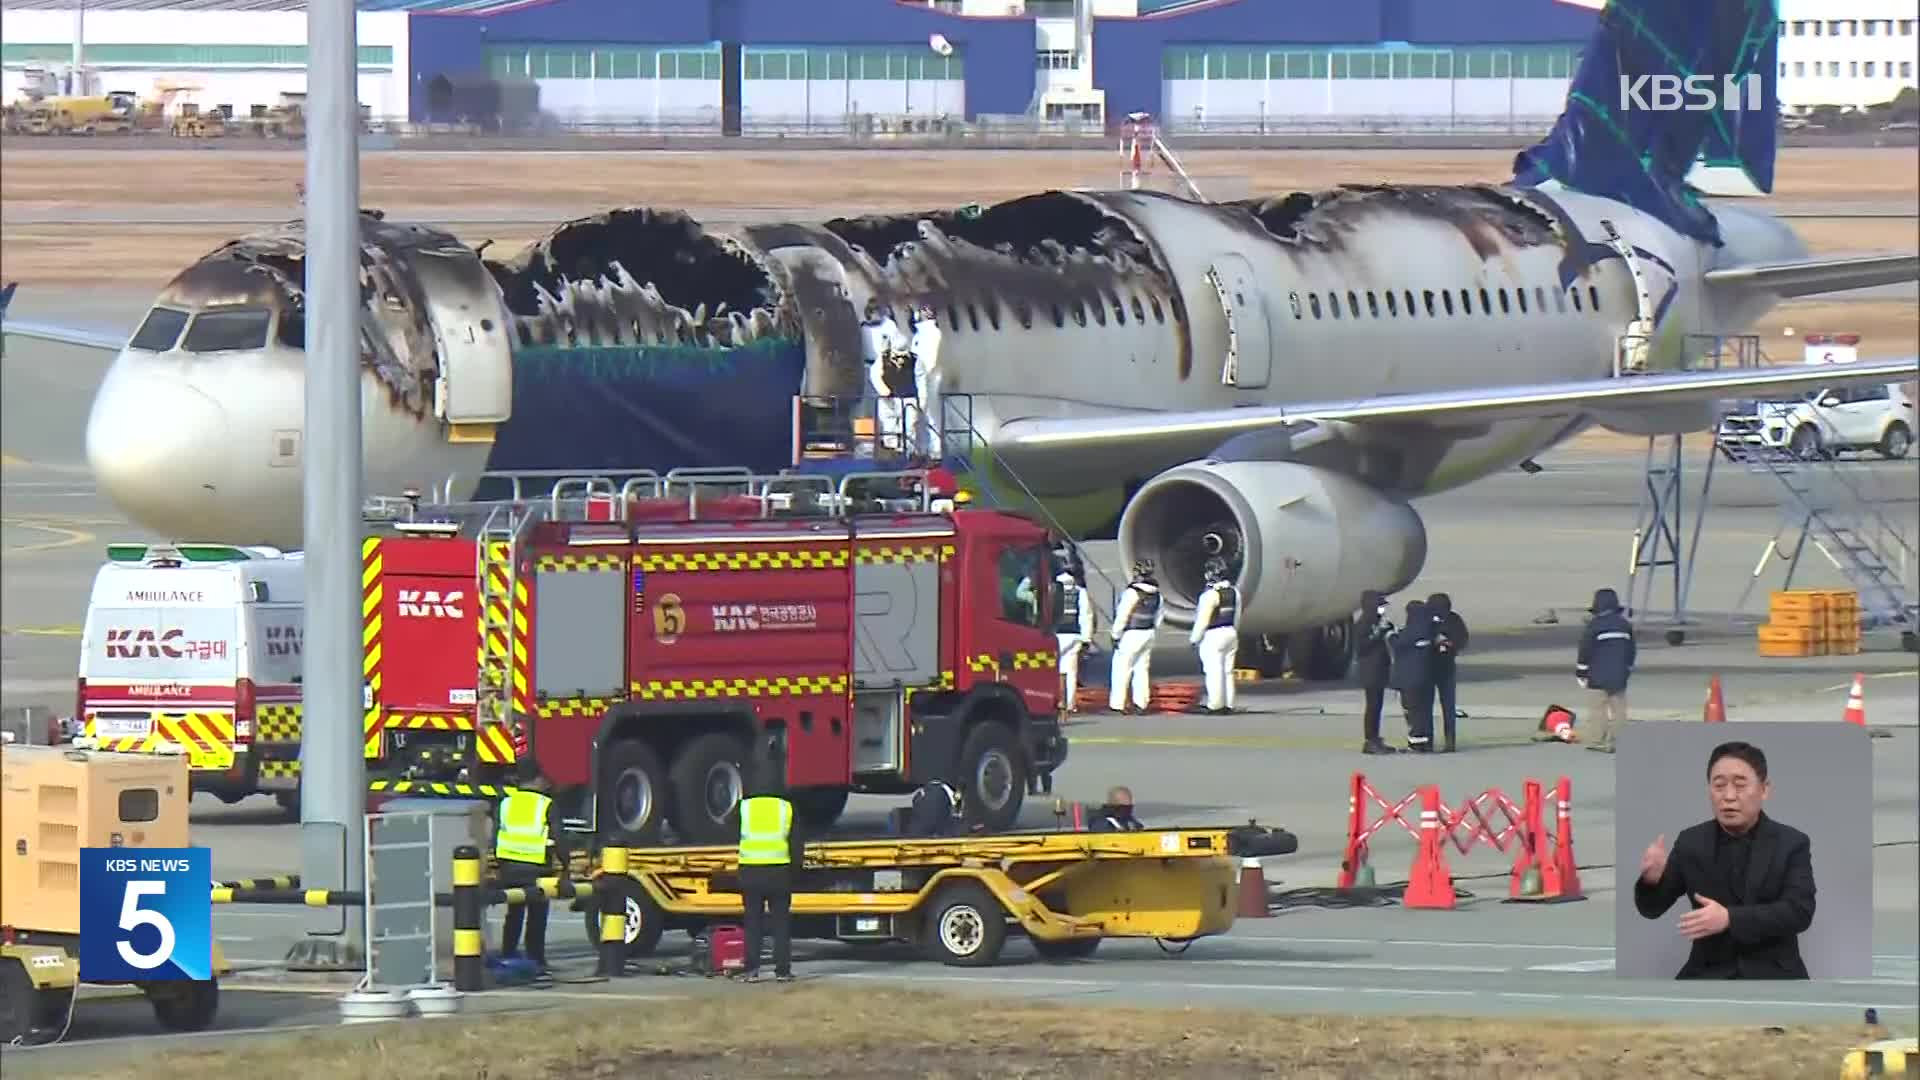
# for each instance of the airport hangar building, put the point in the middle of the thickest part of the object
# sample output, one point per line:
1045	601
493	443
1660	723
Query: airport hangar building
746	64
779	63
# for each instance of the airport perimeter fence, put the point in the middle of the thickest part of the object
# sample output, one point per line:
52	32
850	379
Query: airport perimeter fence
704	128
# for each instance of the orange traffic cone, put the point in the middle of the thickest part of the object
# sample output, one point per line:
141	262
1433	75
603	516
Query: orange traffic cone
1253	891
1856	702
1716	710
1429	883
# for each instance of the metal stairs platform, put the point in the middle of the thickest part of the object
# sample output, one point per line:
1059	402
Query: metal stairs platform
1838	508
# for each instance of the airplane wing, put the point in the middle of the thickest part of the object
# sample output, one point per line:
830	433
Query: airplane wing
65	335
1446	408
1807	277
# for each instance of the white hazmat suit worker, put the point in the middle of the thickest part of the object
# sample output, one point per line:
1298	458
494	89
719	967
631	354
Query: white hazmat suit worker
884	344
926	378
1135	617
1216	634
1073	627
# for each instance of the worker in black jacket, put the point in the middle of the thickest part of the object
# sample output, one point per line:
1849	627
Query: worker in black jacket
1449	641
1412	675
1749	877
1605	664
1373	664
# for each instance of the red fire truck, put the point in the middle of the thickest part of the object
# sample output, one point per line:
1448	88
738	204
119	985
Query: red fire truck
636	645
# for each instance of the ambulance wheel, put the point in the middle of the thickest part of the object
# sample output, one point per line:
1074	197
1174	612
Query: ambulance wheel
994	773
184	1006
633	789
709	781
966	926
1070	949
819	808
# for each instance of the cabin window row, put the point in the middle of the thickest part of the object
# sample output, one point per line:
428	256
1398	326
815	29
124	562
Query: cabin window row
1441	302
1079	312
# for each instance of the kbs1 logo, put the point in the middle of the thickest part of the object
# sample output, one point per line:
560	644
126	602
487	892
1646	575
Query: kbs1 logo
146	914
1694	93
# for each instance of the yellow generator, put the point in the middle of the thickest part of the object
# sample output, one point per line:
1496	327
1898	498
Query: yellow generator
54	801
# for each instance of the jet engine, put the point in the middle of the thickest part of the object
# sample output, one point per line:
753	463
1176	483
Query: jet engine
1301	542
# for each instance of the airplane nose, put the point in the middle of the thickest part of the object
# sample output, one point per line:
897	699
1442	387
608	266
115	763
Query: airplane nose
157	449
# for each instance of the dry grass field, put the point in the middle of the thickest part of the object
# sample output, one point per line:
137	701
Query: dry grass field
829	1031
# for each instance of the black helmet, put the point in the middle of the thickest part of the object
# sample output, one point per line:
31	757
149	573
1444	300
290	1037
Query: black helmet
1142	568
1215	570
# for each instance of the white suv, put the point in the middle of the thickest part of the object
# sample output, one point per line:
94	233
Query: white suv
1825	422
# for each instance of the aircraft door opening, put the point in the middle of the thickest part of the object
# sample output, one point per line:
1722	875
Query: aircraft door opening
1249	337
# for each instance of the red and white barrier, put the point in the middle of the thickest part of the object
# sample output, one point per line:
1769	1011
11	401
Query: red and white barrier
1429	881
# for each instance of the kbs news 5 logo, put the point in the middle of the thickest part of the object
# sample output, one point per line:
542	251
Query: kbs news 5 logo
146	914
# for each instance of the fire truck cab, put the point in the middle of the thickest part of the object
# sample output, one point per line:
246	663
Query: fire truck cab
194	649
638	645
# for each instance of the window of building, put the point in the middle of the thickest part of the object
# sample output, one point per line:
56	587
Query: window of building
1054	60
1869	73
1870	27
1906	27
1853	68
1906	69
1799	67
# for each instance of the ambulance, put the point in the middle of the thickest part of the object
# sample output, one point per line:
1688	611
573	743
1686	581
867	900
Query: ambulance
194	649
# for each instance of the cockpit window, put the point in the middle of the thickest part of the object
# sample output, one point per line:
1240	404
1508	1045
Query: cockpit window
159	330
220	331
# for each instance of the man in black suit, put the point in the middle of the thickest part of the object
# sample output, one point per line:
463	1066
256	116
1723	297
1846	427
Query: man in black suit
1750	878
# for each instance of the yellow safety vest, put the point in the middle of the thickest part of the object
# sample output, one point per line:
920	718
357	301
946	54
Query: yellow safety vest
523	828
764	825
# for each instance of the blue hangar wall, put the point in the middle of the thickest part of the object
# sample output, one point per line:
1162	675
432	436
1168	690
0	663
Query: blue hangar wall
723	62
1250	58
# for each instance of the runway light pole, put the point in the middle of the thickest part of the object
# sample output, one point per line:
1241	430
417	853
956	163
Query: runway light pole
332	768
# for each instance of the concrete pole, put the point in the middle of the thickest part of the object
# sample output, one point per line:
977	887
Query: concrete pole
76	82
333	770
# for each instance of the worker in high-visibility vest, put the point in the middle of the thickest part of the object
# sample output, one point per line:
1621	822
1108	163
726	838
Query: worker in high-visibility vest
525	845
771	850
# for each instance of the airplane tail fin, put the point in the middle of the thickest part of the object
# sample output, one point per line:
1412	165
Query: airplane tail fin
1668	95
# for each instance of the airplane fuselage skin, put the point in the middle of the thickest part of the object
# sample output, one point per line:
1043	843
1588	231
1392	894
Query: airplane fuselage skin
1395	295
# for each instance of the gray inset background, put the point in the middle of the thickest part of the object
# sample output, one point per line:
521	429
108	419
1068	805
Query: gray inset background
1822	777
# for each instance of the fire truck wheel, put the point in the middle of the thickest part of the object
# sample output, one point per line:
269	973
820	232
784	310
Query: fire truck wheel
819	808
995	774
707	788
632	793
966	926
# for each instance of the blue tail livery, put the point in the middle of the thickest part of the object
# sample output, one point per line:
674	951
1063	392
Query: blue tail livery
1664	85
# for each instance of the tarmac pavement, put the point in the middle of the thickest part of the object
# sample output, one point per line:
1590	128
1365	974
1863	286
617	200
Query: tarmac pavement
1509	550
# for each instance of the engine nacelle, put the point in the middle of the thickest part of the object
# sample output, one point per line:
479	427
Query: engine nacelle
1303	543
